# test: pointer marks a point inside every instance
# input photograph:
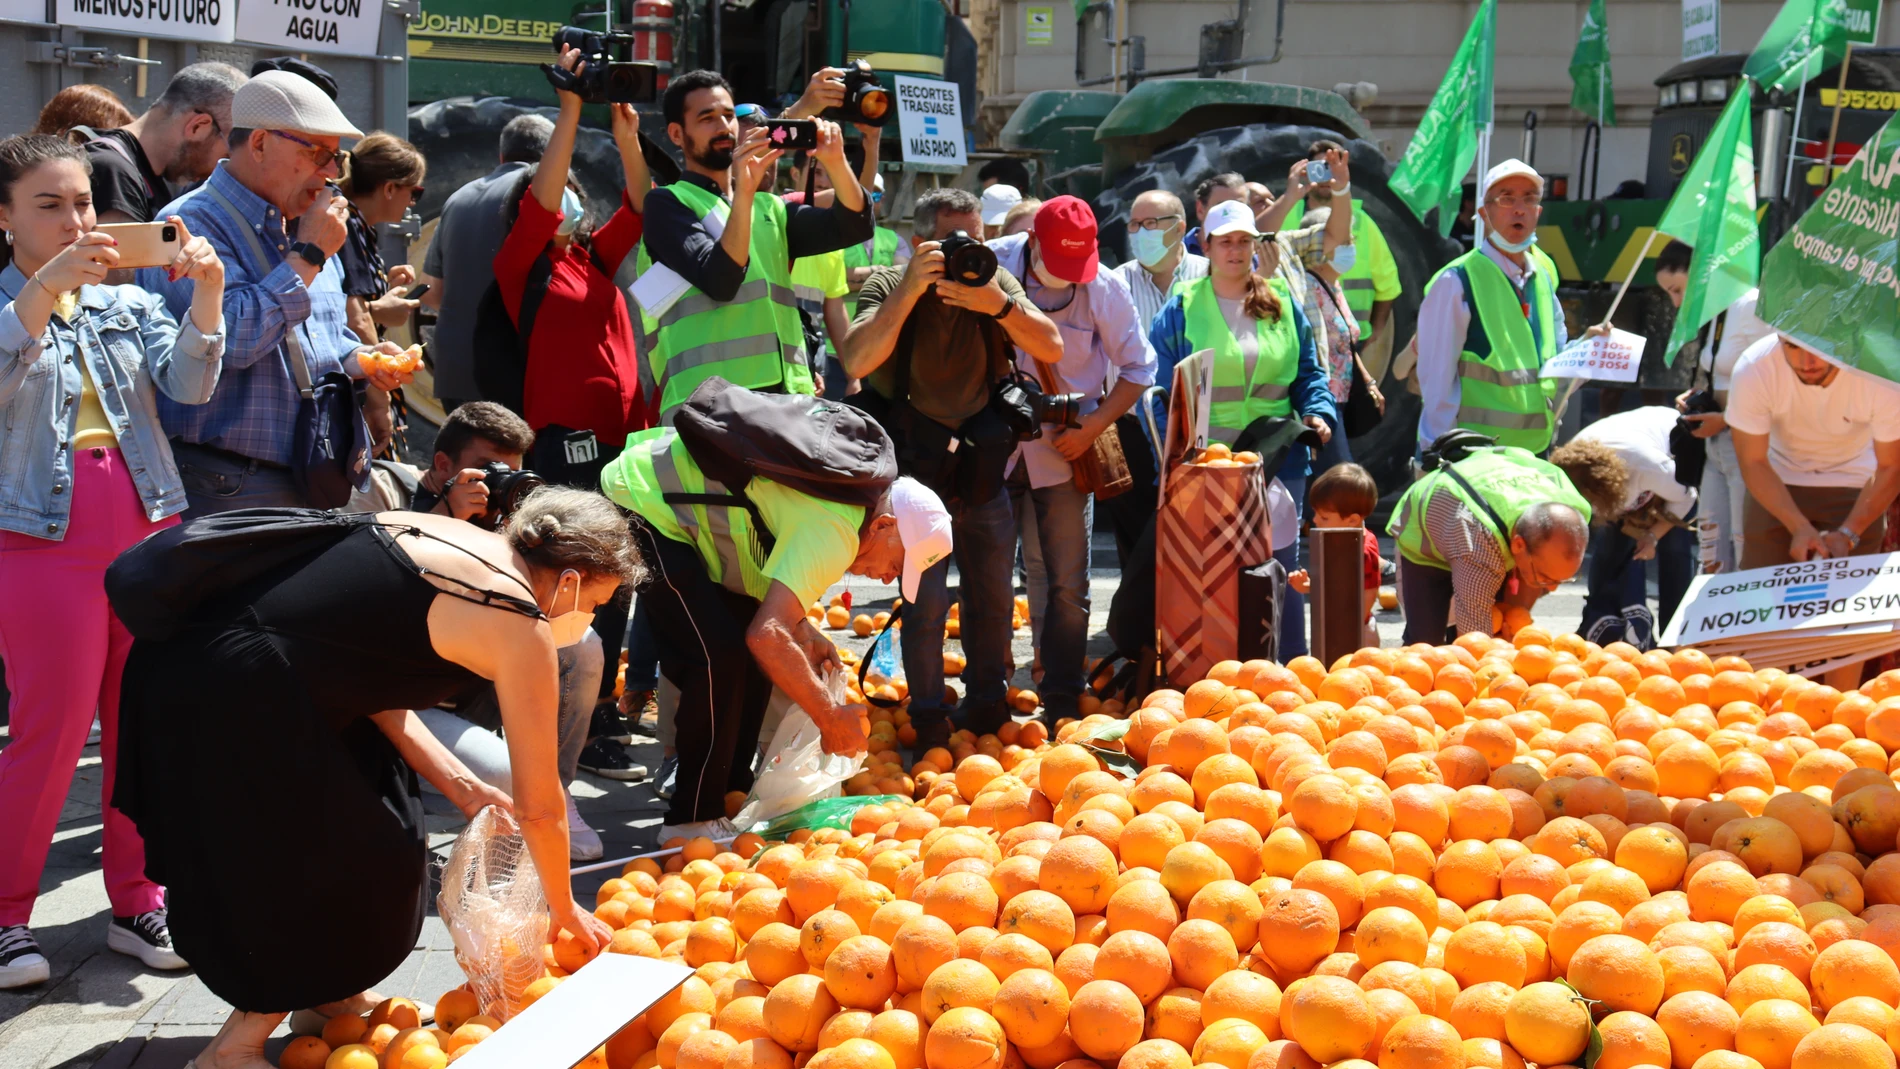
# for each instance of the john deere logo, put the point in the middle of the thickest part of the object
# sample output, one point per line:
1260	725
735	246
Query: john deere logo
1681	148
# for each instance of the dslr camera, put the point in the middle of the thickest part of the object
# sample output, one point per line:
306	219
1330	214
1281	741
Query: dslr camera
1025	408
506	489
967	260
610	74
865	98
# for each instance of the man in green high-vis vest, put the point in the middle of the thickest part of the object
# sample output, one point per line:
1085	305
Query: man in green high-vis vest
715	288
1490	321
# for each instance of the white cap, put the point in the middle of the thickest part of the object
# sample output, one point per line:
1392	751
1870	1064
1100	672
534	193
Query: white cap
923	525
1227	217
1510	169
997	201
280	100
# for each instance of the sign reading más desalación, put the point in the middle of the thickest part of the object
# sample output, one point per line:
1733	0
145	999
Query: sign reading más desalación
350	27
210	21
1813	594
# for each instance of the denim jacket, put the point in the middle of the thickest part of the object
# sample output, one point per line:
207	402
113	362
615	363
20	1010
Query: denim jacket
131	343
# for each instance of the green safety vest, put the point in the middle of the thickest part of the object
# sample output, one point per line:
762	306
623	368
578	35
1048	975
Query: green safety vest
883	254
1243	392
1357	284
1507	481
1500	391
655	463
754	340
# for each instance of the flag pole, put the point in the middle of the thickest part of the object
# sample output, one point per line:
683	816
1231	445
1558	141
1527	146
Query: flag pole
1484	165
1834	125
1794	132
1631	277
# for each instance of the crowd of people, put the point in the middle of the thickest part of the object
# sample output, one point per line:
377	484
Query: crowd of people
673	422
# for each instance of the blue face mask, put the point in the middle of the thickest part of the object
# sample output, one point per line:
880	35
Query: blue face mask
1497	238
1344	256
571	212
1150	246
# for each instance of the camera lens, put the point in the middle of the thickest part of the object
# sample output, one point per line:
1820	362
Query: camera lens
874	103
169	233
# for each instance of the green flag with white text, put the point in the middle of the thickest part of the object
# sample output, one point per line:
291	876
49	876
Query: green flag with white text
1831	282
1713	211
1591	92
1807	37
1433	168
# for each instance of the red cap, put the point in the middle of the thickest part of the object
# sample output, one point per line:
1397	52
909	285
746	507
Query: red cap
1065	233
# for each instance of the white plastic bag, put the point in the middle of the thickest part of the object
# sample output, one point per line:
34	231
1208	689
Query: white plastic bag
797	768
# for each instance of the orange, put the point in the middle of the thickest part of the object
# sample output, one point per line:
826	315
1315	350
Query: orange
1176	1016
1631	1039
962	982
1390	933
901	1034
1757	983
1229	1042
1079	870
1032	1006
1105	1019
1421	1042
860	973
347	1028
919	948
1697	1022
1769	1030
965	1038
352	1056
1297	929
1657	856
1547	1024
1137	960
1484	951
1618	971
1245	995
1852	967
304	1052
1717	890
1833	1045
1329	1018
1232	905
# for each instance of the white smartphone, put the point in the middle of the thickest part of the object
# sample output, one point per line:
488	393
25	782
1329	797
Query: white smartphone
145	244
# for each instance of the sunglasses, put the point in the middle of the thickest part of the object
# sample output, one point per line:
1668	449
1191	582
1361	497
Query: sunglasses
322	157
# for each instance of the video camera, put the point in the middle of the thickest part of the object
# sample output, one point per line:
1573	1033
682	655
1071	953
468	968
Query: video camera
610	74
1025	408
506	489
967	260
865	98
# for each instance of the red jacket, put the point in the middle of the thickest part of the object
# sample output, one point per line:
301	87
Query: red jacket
583	371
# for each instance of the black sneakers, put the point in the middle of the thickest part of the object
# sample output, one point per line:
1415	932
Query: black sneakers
610	723
146	937
21	962
605	757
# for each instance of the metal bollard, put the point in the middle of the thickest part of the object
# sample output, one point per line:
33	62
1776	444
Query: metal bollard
1338	597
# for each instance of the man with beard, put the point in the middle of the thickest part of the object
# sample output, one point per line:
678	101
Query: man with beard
715	289
178	140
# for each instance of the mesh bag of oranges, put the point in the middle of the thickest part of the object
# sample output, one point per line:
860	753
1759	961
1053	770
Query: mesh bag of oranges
1485	854
492	903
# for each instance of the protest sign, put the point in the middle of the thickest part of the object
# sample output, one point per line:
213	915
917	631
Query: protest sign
348	27
1701	28
1831	283
1843	598
1613	357
930	124
208	21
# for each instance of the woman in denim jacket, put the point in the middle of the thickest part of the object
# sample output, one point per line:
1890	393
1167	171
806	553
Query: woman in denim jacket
85	472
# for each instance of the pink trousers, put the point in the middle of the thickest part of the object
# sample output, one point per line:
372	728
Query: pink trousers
64	652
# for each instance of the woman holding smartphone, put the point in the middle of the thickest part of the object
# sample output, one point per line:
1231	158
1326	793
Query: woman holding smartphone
85	472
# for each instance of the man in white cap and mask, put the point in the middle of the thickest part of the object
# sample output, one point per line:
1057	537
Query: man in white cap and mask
1490	320
277	225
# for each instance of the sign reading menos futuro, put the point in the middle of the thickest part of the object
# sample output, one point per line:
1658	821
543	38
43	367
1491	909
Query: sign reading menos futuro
350	27
1812	595
210	21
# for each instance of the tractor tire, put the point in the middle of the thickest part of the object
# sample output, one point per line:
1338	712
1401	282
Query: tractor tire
1264	153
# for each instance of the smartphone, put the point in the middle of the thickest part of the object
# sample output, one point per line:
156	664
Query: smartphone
791	133
1318	172
416	294
145	244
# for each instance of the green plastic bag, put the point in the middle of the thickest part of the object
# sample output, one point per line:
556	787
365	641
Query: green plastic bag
823	813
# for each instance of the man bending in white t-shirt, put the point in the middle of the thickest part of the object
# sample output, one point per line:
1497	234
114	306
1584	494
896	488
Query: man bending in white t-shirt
1819	448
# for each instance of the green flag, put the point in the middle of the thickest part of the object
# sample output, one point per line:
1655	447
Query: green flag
1434	165
1807	37
1830	283
1591	92
1714	212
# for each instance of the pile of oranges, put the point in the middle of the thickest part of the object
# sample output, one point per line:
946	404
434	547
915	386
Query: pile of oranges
391	1036
1484	855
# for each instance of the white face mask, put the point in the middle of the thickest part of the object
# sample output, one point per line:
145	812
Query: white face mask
1043	276
1497	238
571	626
572	211
1151	246
1344	256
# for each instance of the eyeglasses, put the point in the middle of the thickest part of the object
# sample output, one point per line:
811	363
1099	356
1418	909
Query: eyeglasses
1159	222
1511	202
322	157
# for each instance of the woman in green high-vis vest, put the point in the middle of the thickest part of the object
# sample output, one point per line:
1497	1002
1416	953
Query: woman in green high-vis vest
1265	362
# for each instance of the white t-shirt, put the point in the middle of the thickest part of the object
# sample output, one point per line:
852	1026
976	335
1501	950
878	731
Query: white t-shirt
1740	330
1641	437
1817	435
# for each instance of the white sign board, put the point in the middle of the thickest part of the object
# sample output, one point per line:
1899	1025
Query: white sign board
565	1025
930	123
1613	357
1701	28
208	21
23	11
1824	596
349	27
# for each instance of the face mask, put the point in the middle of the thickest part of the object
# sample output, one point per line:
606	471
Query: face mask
1151	246
1497	238
1043	276
571	212
1344	256
571	626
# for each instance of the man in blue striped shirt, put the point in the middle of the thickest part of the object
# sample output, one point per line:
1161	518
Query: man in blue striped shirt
277	226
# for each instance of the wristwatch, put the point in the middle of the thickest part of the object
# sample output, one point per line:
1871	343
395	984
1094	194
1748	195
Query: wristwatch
1009	305
312	254
1853	540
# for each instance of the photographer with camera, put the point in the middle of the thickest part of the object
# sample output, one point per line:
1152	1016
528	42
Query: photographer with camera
1103	342
932	341
715	285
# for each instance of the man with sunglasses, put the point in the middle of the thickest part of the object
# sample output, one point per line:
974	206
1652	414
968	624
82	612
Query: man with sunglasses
1489	322
277	225
176	143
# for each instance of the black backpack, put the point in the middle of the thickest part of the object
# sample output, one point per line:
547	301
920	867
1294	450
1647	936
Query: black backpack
499	352
819	447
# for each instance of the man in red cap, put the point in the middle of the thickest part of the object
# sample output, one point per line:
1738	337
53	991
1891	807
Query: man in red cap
1107	360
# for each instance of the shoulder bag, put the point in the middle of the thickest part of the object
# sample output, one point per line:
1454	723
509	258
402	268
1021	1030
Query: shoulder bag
1363	408
1103	470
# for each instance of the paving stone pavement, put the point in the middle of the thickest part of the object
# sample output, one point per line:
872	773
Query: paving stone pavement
102	1010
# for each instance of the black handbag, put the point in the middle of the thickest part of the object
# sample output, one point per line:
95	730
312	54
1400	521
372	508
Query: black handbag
1692	453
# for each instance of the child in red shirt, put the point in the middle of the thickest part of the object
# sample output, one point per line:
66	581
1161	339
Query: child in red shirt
1343	496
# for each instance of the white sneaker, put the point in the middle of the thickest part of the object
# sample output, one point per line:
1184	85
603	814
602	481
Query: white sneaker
146	937
583	842
722	828
21	963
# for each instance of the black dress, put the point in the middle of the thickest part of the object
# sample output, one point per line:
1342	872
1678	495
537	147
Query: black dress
285	825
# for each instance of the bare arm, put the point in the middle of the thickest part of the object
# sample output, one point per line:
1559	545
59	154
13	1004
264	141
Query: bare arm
1034	333
1879	491
434	762
752	163
633	163
866	344
357	317
1766	487
1339	222
836	325
774	640
550	178
1381	318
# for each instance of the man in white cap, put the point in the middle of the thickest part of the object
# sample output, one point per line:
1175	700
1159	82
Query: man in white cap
727	592
277	226
997	201
1489	322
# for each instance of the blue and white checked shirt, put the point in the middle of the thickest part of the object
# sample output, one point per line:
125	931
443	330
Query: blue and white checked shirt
254	409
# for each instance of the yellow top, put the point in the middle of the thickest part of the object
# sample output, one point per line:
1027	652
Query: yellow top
94	430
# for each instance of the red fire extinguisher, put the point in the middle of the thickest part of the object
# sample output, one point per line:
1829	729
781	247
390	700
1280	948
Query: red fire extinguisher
653	34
